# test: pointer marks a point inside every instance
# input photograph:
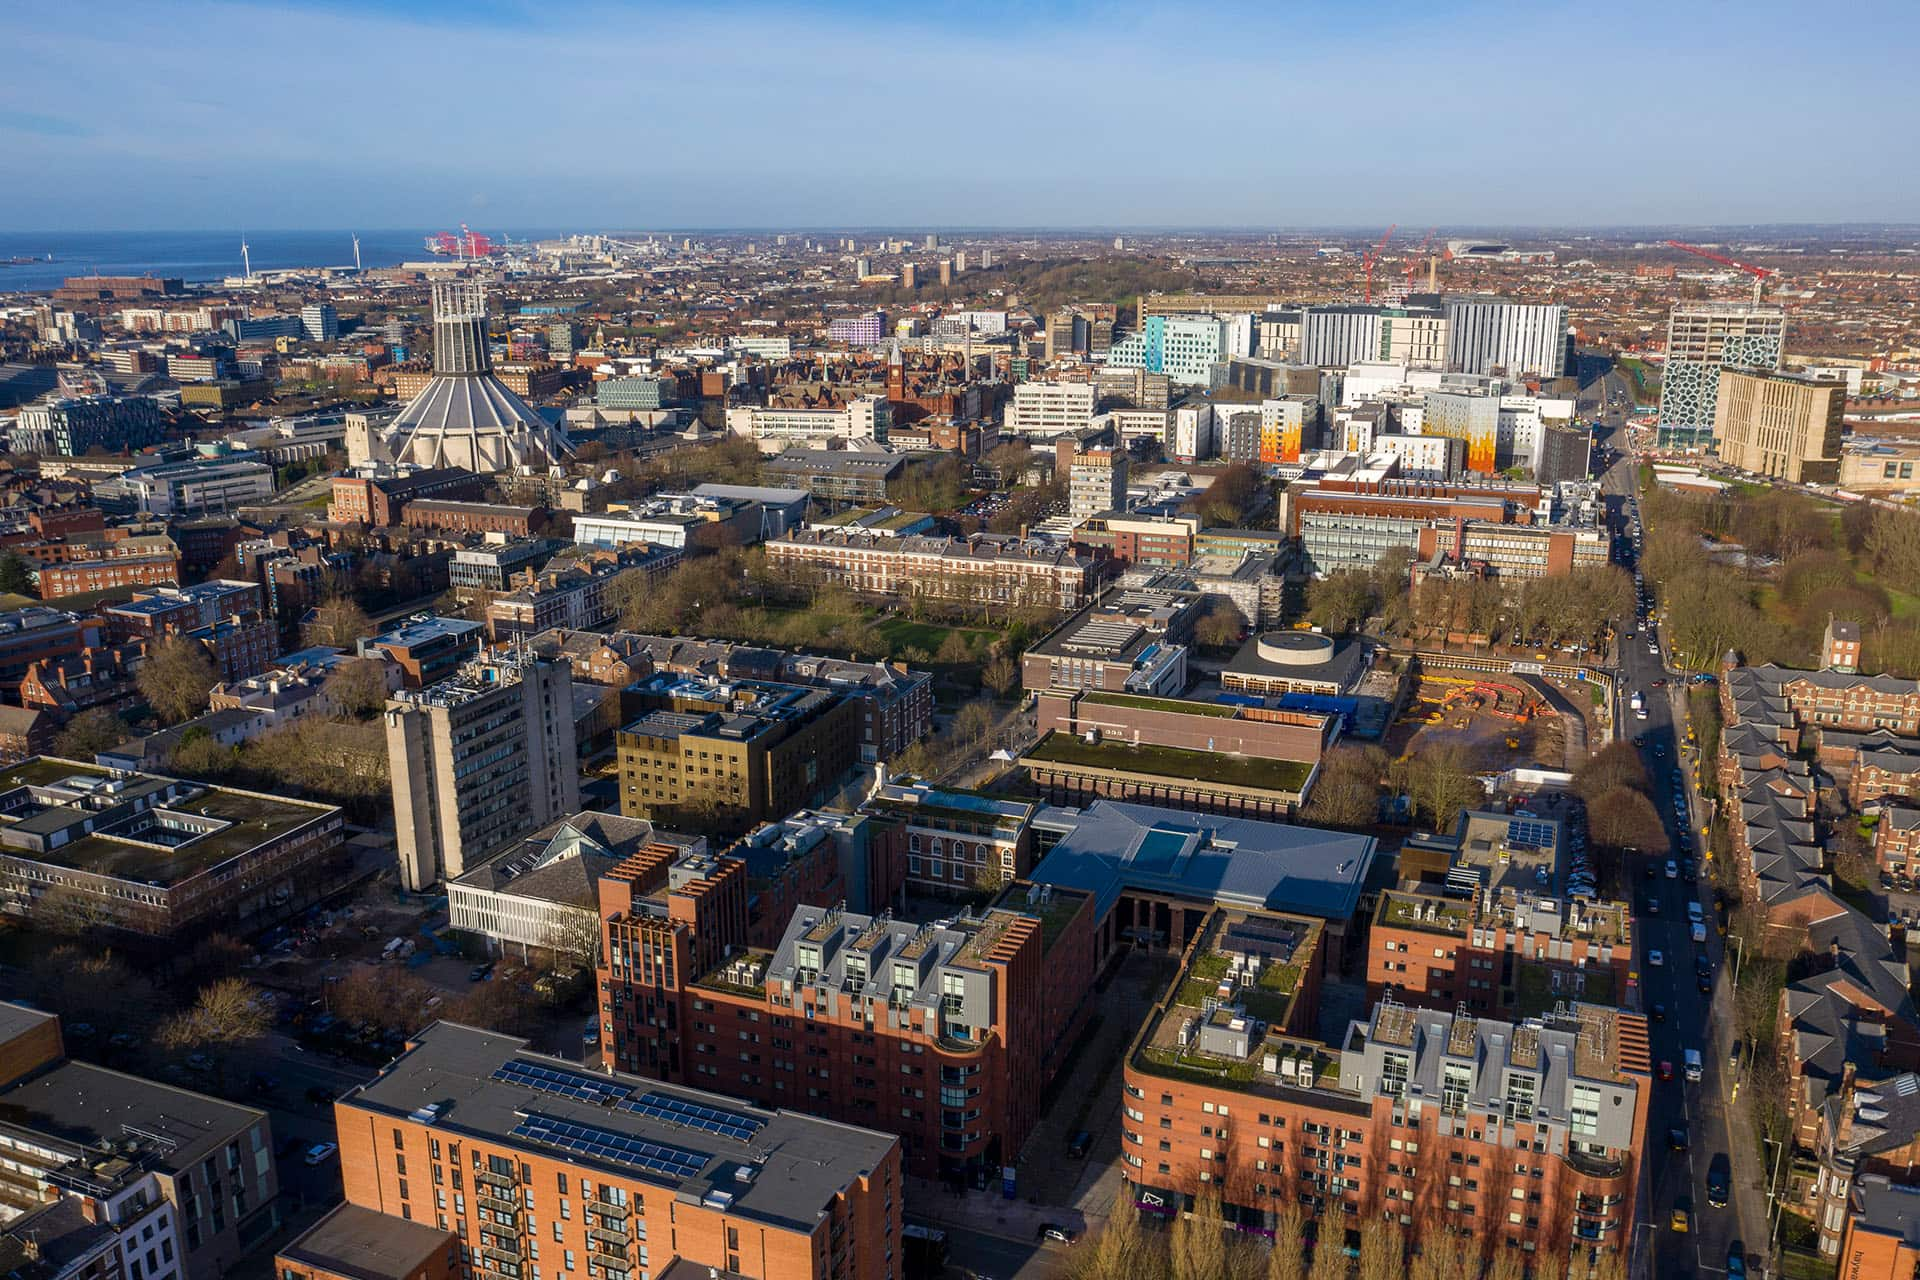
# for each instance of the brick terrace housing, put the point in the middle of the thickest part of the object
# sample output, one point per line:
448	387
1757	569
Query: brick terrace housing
982	569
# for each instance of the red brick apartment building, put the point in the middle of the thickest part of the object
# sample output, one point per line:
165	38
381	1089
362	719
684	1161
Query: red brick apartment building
79	577
383	501
489	1161
943	1033
1518	1135
439	515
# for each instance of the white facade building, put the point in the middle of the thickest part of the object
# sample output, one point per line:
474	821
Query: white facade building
1042	410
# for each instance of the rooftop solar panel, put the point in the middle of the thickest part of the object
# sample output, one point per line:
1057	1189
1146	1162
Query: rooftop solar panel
694	1115
577	1085
615	1148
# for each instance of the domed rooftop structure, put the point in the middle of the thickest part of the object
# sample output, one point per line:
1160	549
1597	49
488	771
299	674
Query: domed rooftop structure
466	417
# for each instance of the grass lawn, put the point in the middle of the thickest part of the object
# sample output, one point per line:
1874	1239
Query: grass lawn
1904	605
904	633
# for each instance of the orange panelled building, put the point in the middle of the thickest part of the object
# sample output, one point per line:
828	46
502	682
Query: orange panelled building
533	1166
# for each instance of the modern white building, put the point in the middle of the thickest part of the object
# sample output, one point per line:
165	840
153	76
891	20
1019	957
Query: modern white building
1422	457
1185	348
542	892
1520	339
1190	438
193	486
1042	410
765	346
773	429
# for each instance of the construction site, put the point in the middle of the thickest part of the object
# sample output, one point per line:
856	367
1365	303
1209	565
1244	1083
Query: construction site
1503	723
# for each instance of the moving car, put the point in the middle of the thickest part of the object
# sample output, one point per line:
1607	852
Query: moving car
1057	1233
1655	959
1666	1069
1695	1069
1681	1220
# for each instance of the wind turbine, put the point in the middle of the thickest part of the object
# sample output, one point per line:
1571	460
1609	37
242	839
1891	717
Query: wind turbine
246	262
356	254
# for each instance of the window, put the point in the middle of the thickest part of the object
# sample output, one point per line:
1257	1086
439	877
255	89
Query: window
1456	1082
1394	1070
1583	1115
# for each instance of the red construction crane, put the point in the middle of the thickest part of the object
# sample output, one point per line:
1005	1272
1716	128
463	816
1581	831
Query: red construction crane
1374	256
1759	274
1413	263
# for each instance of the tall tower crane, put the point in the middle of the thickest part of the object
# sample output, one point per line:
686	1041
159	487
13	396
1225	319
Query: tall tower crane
1373	256
1759	274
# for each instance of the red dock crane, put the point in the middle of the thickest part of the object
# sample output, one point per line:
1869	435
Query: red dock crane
1759	274
1373	256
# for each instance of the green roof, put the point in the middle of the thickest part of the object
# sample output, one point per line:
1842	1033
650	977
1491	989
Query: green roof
1251	772
1178	706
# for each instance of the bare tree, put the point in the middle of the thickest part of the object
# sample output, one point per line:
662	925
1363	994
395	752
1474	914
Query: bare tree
1288	1260
1382	1250
1001	676
358	687
176	678
338	622
575	936
92	731
1197	1245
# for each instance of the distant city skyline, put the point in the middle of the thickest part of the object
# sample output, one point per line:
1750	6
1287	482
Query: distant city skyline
205	114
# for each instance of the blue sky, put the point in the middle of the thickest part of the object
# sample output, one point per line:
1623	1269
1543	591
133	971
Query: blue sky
333	113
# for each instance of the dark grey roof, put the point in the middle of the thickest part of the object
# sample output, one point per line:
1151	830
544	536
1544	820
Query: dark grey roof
17	1019
801	1163
1342	668
366	1244
88	1106
45	1242
1112	846
1886	1207
1880	1116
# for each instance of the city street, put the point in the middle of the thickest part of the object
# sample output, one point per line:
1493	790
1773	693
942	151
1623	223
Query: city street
1688	1121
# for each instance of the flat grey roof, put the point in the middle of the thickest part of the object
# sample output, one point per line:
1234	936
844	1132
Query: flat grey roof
1111	847
88	1106
17	1019
367	1244
801	1162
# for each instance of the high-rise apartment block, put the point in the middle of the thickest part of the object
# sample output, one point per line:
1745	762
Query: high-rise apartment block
479	760
1519	339
1185	348
319	322
1098	483
1704	338
1042	410
858	331
1782	425
525	1161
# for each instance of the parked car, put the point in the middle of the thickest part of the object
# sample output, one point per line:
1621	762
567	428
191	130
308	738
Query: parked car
321	1152
1079	1144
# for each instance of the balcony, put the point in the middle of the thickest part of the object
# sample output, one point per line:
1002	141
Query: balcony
616	1238
490	1254
1596	1166
497	1203
605	1252
505	1181
618	1212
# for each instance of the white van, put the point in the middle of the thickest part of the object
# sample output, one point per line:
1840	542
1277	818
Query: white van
1699	934
1693	910
1694	1069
